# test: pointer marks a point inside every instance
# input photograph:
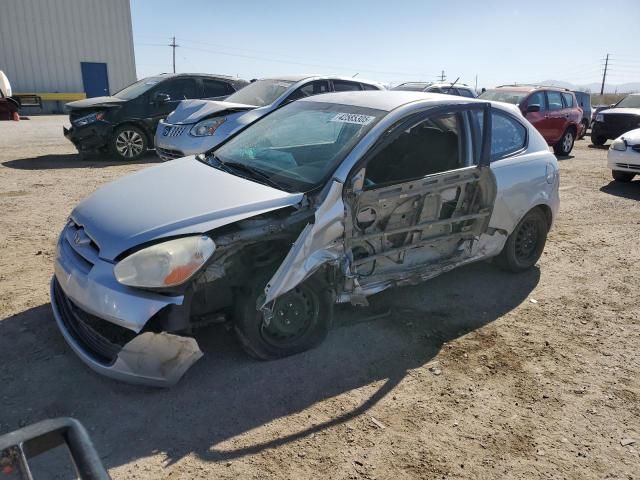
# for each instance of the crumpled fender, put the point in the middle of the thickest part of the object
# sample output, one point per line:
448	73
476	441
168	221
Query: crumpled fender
319	243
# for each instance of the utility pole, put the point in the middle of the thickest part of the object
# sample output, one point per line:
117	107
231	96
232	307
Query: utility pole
476	82
604	75
442	77
173	45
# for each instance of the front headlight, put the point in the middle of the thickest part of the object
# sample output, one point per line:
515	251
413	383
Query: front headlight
206	127
86	120
166	264
599	117
619	144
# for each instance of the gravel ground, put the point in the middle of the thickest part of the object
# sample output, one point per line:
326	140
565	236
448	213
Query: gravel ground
475	374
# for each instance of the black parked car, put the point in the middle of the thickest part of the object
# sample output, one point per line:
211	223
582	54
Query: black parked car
613	122
584	102
125	123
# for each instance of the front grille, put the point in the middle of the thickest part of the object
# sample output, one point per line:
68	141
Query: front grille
630	166
167	154
173	131
101	339
75	239
621	122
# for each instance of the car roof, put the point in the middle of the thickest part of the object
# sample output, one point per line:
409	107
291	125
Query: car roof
301	77
211	75
387	100
530	88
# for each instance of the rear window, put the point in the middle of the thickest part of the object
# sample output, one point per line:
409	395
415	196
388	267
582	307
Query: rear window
503	95
260	92
412	87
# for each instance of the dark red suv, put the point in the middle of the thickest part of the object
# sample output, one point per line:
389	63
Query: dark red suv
553	111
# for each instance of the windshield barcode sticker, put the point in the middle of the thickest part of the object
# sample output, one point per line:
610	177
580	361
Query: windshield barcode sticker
353	118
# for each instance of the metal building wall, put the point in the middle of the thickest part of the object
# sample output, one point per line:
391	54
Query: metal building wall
42	43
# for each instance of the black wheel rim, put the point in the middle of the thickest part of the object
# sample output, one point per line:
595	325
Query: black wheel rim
294	314
526	242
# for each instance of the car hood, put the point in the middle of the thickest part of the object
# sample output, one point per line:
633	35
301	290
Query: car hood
192	111
632	137
629	111
94	102
180	197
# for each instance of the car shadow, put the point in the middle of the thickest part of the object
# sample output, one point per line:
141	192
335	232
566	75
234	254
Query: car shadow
227	394
560	158
630	190
599	147
74	160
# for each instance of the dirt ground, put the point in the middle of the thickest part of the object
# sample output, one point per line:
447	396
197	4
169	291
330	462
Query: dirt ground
475	374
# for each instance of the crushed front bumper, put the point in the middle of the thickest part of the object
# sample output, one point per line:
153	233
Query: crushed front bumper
104	321
92	137
174	141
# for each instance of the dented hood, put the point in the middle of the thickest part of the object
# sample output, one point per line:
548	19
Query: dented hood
180	197
94	102
192	111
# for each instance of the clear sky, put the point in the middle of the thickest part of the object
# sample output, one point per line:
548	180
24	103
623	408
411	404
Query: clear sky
393	41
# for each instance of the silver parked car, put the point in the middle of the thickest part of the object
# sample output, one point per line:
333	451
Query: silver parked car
329	199
199	125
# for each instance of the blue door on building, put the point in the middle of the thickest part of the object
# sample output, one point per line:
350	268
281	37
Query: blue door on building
95	79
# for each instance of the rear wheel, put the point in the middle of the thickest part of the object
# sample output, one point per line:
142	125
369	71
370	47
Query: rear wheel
619	176
598	139
128	142
300	320
565	145
525	244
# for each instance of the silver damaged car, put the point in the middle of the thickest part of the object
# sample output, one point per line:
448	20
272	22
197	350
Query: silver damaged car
329	199
199	125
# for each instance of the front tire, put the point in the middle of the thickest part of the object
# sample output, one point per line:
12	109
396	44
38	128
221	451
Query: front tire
128	143
565	144
301	319
525	244
598	140
619	176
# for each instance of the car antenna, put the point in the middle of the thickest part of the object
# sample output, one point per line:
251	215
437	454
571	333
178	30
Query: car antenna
455	81
356	75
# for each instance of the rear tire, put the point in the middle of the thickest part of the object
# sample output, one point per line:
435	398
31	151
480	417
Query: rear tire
598	140
128	143
525	244
301	319
565	144
619	176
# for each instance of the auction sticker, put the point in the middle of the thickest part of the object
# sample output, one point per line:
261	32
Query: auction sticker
353	118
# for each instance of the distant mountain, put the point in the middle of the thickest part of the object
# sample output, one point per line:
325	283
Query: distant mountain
631	87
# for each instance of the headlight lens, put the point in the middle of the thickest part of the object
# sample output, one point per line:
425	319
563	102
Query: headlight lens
619	144
166	264
86	120
599	117
207	127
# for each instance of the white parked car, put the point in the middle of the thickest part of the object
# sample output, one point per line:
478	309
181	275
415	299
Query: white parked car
623	157
329	199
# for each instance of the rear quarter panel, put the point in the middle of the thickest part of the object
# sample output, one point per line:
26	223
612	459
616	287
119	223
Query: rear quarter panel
522	183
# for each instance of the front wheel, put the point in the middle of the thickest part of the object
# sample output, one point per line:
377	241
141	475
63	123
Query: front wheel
598	140
619	176
300	319
128	142
565	145
525	244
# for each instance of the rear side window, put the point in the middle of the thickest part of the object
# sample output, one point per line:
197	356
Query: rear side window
568	100
216	88
465	93
508	136
366	86
555	100
344	86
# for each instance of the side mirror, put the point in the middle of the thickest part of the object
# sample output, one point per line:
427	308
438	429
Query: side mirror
533	108
161	97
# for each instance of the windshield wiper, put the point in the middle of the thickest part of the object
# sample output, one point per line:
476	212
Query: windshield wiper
253	172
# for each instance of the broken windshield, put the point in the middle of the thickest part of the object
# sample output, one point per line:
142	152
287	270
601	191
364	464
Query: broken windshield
260	92
300	145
